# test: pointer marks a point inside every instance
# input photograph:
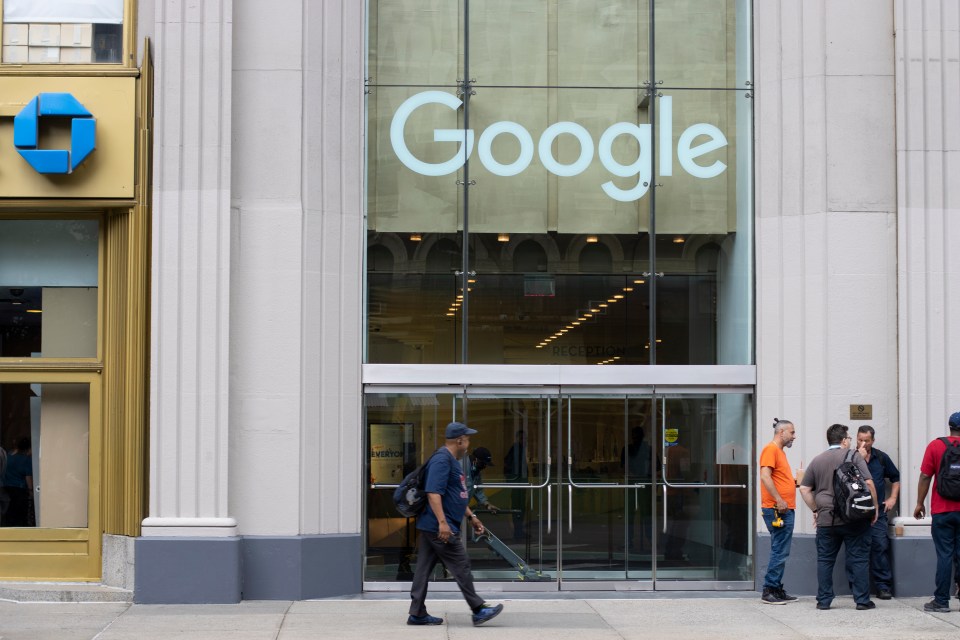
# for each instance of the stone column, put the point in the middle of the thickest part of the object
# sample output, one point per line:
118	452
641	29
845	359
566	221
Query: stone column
928	228
190	551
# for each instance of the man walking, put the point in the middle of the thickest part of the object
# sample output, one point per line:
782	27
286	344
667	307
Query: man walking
945	510
439	527
832	530
778	493
881	468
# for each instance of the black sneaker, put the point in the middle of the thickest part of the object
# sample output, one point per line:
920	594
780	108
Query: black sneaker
770	596
866	606
786	597
823	606
424	619
884	594
935	607
486	613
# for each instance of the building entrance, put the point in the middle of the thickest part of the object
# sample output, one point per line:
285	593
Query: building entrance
588	490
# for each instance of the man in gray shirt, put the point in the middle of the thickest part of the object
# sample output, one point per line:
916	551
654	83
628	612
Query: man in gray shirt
832	532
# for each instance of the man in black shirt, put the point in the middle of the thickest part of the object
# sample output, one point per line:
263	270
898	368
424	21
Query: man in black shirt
881	468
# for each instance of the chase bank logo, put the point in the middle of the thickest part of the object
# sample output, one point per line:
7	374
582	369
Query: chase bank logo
83	133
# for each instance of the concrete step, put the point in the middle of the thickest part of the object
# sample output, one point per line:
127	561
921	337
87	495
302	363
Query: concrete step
62	592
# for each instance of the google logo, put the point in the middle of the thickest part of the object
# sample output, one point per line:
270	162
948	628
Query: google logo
687	152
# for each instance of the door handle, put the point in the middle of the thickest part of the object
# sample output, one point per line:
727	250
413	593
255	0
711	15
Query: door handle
665	509
549	506
570	508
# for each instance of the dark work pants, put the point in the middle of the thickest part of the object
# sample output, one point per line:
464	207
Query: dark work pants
880	554
454	557
855	538
945	532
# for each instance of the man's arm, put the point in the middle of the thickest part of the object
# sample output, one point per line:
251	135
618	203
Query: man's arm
922	488
435	500
891	502
766	477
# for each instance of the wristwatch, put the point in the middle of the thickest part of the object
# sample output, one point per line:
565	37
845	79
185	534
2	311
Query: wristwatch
473	516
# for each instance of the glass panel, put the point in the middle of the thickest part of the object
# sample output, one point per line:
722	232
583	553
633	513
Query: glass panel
705	440
45	430
402	431
522	545
704	222
48	288
702	43
63	31
415	41
610	534
549	318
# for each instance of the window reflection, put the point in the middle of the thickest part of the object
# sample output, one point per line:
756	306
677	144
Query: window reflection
48	288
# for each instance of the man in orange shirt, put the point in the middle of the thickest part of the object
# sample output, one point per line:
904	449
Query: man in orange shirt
778	493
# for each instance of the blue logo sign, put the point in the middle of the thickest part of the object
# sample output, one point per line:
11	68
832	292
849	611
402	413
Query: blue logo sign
83	133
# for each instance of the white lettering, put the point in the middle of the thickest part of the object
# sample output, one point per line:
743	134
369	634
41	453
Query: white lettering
546	149
687	152
486	141
439	135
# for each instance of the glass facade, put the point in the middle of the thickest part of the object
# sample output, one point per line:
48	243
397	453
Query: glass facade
555	182
559	182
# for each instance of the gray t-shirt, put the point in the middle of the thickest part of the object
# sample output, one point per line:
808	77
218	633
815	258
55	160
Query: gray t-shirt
819	477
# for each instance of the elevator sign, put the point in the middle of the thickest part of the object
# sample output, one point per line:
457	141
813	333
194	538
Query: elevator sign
687	153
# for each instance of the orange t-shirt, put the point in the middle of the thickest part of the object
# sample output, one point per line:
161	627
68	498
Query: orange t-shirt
773	456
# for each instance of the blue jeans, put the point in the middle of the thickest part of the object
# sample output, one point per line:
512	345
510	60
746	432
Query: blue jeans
780	539
855	538
946	540
880	555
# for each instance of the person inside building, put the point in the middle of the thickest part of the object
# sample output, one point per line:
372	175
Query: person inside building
635	457
778	493
832	530
882	470
945	510
515	470
479	460
18	485
439	524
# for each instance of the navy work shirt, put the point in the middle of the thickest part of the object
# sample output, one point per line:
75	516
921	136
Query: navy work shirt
881	466
445	477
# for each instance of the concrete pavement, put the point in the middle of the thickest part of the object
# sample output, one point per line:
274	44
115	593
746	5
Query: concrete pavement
588	616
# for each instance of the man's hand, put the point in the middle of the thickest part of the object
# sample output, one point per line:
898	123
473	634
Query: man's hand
492	508
889	504
919	511
444	534
781	505
477	525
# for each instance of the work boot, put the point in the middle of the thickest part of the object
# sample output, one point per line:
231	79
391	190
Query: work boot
770	596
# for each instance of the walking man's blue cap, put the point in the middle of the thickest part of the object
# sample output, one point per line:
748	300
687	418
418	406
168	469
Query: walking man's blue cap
954	420
457	429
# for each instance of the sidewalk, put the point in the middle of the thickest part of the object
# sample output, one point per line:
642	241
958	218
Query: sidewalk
591	617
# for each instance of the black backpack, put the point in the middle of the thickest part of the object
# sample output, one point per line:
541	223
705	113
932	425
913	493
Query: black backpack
948	477
409	497
852	501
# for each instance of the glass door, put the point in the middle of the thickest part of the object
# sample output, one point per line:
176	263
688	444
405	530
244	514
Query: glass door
593	491
607	490
703	496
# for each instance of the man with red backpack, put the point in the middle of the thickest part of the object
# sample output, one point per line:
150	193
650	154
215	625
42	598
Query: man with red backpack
941	460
